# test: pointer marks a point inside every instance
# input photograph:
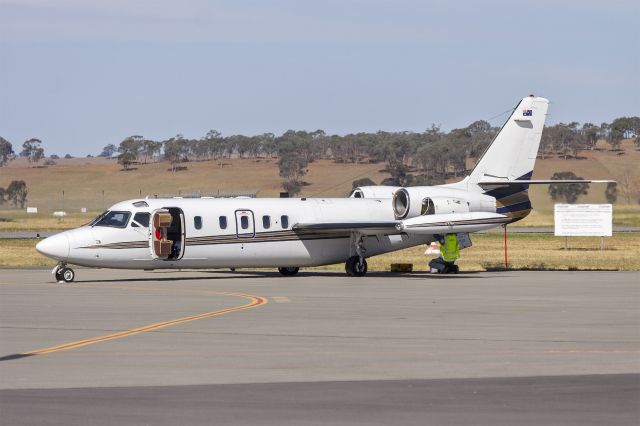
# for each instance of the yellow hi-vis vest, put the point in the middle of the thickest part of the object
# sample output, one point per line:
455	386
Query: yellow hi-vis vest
450	250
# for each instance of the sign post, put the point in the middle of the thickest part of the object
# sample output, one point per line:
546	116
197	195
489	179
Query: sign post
506	257
583	220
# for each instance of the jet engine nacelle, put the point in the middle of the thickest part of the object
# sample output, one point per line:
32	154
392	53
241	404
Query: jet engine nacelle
374	191
427	200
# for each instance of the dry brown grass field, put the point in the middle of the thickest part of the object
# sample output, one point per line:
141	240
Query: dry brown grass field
526	251
533	251
96	183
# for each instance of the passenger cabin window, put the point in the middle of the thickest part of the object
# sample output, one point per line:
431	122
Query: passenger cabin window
114	219
223	222
197	222
140	219
427	207
244	222
266	222
284	221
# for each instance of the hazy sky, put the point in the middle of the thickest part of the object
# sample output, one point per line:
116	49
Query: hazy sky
79	74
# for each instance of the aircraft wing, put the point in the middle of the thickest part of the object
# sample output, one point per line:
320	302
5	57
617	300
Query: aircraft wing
453	223
425	225
364	227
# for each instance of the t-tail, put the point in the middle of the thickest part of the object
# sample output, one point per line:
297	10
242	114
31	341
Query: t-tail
506	166
505	169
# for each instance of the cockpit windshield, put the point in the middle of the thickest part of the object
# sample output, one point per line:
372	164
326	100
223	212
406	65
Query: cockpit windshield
112	218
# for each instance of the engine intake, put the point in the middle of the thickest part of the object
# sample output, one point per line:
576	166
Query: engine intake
401	203
420	201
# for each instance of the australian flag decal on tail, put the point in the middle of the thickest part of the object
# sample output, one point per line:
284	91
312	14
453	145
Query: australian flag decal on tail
527	113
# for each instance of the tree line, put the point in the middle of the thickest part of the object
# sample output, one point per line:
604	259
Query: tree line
410	158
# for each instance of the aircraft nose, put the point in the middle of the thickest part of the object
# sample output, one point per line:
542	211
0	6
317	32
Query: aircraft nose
56	246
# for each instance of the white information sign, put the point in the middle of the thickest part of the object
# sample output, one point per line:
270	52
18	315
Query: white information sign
32	210
583	220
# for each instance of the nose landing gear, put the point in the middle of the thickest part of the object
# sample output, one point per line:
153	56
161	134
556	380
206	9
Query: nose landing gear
62	273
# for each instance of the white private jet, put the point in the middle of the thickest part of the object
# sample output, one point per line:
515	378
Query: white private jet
166	233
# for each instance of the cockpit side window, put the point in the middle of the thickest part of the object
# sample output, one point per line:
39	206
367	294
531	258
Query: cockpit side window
140	219
114	219
97	218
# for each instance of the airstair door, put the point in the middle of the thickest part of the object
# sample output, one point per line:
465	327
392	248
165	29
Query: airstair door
166	234
159	244
245	224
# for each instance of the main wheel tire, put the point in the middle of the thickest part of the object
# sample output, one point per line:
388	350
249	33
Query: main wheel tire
59	276
354	267
289	271
67	274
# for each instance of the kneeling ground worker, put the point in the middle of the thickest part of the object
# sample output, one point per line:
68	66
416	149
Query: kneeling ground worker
449	253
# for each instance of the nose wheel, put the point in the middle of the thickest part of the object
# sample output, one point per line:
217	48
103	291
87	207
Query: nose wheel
62	273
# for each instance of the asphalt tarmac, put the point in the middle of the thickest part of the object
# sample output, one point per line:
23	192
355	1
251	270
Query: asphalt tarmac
126	347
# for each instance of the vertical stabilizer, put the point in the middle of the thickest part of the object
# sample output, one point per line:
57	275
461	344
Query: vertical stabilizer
512	154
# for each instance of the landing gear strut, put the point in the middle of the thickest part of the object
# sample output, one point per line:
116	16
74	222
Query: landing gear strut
356	266
292	270
62	273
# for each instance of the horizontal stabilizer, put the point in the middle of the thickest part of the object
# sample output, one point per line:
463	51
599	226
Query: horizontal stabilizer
365	227
453	223
495	183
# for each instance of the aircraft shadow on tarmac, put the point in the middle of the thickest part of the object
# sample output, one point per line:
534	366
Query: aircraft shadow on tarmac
227	275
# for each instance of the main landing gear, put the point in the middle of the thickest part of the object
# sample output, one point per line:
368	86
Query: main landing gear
289	271
356	266
62	273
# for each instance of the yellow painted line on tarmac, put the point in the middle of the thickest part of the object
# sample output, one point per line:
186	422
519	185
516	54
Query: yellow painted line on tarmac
255	301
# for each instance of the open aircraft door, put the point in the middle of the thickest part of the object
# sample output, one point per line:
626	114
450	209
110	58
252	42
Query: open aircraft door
167	234
159	225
